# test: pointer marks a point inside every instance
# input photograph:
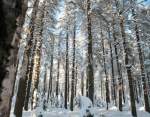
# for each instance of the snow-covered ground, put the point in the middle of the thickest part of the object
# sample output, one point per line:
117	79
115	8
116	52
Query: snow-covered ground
98	112
81	103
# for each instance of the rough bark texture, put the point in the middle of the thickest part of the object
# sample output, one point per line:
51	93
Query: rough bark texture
21	90
141	58
129	73
118	65
90	54
38	29
12	17
106	74
143	73
29	49
112	72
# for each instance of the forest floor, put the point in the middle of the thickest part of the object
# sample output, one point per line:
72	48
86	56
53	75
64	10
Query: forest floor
98	112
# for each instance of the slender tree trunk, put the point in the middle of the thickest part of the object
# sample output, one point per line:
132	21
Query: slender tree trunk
148	76
136	91
82	83
66	72
44	82
139	86
112	71
44	89
90	54
141	58
68	82
123	93
87	87
118	67
58	67
106	74
129	73
76	81
73	71
38	36
30	49
143	74
51	71
102	88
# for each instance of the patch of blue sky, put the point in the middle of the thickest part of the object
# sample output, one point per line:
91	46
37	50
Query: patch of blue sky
145	2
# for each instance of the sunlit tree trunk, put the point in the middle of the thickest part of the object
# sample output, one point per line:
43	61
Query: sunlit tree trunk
30	48
26	62
38	29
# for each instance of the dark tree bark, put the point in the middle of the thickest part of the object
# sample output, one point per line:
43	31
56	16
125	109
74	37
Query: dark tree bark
3	45
143	74
102	88
118	65
112	71
82	83
73	71
58	67
127	63
21	90
76	81
87	87
66	72
9	49
141	58
90	54
68	82
123	93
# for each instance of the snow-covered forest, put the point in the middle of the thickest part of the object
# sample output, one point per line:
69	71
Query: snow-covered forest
75	58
